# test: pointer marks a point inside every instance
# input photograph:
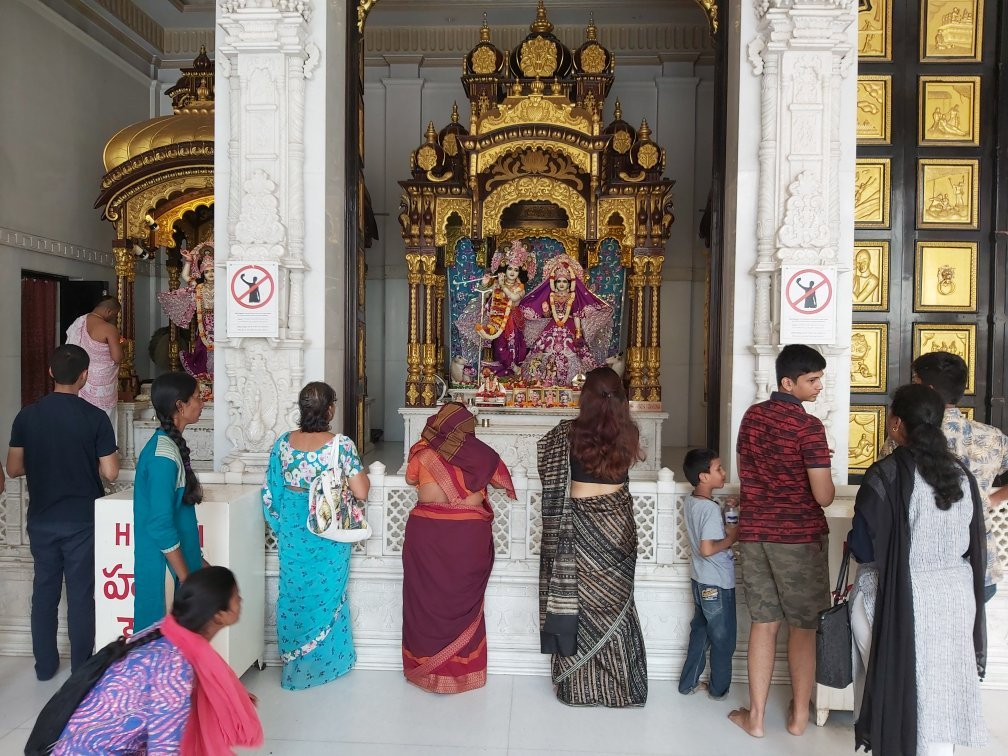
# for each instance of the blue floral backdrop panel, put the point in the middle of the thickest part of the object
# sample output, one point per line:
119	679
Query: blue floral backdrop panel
461	292
545	249
608	280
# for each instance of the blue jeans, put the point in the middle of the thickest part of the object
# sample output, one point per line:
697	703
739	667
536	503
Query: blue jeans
713	627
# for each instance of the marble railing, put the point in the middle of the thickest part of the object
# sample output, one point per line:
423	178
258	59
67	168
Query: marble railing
663	594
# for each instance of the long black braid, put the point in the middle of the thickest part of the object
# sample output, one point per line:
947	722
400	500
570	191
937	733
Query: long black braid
166	391
921	409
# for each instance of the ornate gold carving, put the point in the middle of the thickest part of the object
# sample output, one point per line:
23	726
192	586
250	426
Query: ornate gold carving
949	110
710	7
146	201
874	109
626	207
871	193
875	30
570	242
957	338
947	193
445	207
951	31
648	155
541	24
946	276
869	344
363	8
166	222
593	59
534	188
865	435
426	157
535	161
125	263
621	142
484	61
579	157
871	275
536	109
450	145
538	57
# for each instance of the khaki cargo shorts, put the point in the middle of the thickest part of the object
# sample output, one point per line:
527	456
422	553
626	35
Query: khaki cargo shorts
785	581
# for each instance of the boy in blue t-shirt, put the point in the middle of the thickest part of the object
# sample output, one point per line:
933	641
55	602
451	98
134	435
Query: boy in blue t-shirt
712	570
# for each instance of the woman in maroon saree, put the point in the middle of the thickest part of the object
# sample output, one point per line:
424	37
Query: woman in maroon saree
448	553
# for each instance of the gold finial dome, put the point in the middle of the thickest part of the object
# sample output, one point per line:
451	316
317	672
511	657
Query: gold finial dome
591	33
542	24
193	121
485	29
618	111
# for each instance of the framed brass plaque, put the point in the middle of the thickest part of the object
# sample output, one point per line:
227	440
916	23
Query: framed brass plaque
871	193
874	109
949	110
871	275
869	344
946	276
948	193
951	30
875	30
957	338
866	434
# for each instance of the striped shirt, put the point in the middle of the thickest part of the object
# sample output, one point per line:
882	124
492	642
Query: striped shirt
777	442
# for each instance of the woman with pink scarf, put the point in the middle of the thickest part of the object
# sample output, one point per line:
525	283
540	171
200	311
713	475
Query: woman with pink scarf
171	692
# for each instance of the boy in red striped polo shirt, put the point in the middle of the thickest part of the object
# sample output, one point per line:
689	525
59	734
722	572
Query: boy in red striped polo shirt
784	469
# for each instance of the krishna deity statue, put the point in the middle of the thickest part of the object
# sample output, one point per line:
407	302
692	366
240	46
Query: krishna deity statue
502	322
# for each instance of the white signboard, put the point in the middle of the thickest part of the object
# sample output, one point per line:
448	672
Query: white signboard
252	299
808	304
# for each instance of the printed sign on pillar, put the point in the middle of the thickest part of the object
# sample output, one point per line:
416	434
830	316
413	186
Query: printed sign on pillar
252	299
808	304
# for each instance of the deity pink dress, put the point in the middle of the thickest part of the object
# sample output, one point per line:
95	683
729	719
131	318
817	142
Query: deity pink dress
568	333
101	388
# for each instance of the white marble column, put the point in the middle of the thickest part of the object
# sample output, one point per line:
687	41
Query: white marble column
791	152
266	58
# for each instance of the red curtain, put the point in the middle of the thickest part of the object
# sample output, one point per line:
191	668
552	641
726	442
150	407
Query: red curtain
38	336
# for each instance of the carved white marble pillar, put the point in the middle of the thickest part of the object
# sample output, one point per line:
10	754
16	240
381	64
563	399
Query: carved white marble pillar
266	54
794	68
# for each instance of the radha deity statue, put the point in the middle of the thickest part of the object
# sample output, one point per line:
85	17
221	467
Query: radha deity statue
196	297
501	322
567	326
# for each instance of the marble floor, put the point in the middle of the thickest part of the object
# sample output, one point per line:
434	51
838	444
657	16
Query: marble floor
377	713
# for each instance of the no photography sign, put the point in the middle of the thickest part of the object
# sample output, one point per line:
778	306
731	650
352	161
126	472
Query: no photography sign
808	304
252	299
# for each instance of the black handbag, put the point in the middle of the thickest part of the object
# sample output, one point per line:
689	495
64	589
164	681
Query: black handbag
834	663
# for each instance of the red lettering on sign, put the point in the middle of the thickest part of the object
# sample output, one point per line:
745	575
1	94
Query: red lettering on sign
123	533
111	590
127	623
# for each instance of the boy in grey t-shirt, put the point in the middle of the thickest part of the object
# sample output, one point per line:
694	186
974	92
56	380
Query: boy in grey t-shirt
712	570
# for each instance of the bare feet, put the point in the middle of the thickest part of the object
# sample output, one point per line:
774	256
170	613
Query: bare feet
744	719
796	724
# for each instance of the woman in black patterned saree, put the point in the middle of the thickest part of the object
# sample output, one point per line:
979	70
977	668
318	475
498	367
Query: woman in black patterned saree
587	617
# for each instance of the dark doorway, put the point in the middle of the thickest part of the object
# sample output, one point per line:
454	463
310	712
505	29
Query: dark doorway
75	299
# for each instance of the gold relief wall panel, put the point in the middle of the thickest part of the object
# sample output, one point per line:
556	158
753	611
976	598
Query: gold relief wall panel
967	412
948	193
869	344
871	275
875	30
874	109
866	434
949	110
946	276
951	30
871	193
957	338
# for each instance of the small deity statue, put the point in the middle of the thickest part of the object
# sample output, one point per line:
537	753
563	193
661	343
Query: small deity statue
565	322
195	298
490	386
502	322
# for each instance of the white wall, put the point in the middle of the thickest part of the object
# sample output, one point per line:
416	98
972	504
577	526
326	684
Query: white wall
63	97
403	95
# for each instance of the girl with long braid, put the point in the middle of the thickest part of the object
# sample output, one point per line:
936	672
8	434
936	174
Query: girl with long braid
917	613
166	490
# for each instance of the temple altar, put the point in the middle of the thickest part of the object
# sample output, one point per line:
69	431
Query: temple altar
534	243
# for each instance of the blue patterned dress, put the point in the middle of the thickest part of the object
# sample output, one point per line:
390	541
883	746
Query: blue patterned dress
313	616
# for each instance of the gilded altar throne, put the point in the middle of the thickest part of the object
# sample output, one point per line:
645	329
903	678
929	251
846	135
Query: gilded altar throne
535	166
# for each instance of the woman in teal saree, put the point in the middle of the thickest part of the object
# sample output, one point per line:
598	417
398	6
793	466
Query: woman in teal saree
313	614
